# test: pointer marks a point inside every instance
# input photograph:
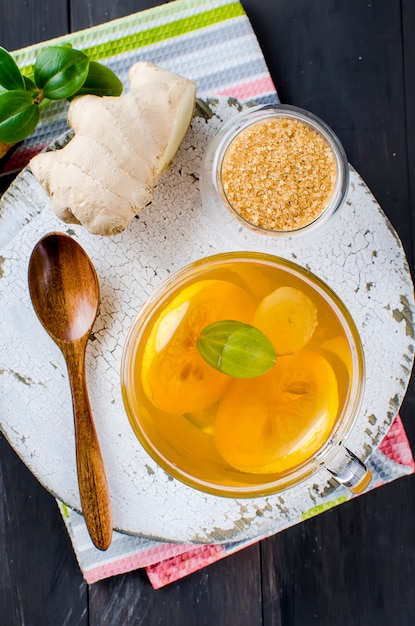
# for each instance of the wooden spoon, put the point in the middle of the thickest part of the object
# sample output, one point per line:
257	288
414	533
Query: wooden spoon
64	290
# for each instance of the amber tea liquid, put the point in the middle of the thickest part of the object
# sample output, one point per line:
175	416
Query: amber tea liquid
229	431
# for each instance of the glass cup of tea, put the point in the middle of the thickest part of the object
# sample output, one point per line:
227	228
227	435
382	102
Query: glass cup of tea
253	433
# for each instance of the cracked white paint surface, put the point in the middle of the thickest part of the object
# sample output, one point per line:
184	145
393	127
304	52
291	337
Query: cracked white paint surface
358	255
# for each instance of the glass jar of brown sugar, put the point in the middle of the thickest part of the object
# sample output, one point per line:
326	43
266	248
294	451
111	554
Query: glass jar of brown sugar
276	170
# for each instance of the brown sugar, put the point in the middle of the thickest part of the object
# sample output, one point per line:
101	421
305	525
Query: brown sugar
279	174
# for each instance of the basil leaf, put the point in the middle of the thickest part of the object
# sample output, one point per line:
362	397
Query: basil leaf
19	116
10	76
101	81
29	84
60	71
237	349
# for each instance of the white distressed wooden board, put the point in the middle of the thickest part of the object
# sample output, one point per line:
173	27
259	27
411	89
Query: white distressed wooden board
359	255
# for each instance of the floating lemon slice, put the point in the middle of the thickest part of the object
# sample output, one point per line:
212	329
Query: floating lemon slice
275	422
288	318
174	376
340	347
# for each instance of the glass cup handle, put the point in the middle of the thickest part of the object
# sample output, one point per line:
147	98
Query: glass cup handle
349	470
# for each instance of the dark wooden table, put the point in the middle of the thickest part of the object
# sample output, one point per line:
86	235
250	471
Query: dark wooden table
352	63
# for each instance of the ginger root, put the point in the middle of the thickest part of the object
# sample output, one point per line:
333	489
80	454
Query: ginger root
122	145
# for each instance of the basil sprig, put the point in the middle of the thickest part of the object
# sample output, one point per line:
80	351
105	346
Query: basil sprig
60	73
237	349
10	76
19	115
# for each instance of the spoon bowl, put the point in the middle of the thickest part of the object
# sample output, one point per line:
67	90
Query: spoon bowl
58	268
64	291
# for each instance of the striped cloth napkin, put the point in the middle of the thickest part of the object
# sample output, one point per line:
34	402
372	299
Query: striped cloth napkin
168	562
208	41
212	43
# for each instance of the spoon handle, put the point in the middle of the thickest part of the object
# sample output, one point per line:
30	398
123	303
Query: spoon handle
92	481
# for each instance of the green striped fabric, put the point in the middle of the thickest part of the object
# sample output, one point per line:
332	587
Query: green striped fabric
174	19
208	41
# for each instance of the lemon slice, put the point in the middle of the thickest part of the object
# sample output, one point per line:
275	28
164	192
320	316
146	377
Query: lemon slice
340	347
174	376
288	318
275	422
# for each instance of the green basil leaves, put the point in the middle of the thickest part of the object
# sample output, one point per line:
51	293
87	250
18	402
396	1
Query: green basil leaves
10	76
19	115
100	81
60	73
237	349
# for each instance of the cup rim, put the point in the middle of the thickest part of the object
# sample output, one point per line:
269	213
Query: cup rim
344	423
213	195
